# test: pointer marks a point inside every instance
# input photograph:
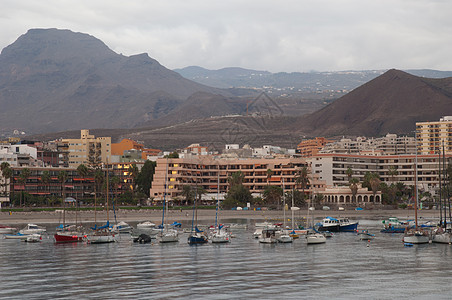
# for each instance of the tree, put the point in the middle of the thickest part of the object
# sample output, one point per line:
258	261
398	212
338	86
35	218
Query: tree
145	177
62	178
23	177
7	173
298	198
269	175
114	184
82	171
133	173
302	178
238	195
349	173
353	184
372	181
172	155
236	178
187	192
45	179
272	195
393	173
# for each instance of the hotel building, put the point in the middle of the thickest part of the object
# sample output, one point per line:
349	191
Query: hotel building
431	136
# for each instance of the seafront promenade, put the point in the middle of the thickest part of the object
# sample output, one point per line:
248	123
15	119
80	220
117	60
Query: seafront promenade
205	215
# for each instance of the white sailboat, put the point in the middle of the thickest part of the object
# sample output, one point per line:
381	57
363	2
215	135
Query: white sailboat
284	235
220	233
313	236
102	235
442	234
415	235
167	234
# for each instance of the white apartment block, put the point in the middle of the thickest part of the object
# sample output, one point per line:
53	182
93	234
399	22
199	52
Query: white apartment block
332	169
432	136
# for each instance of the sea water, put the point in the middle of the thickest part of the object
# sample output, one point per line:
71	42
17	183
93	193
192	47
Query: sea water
342	268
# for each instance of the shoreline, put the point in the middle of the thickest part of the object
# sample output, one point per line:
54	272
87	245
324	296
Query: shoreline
205	215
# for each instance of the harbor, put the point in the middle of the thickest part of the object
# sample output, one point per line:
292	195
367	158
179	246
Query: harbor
344	267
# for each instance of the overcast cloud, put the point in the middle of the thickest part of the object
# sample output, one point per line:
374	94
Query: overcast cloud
298	35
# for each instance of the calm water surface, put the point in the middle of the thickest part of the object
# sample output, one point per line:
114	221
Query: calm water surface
343	268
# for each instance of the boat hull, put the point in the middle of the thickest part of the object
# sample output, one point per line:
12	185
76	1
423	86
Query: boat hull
68	237
197	239
442	238
312	239
416	239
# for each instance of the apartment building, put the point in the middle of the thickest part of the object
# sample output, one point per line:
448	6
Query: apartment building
308	148
88	150
391	144
431	136
212	174
333	167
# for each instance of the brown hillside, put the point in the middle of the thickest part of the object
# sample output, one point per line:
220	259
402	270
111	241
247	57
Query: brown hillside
392	102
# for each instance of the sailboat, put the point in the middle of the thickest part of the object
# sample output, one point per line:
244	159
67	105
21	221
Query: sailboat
442	234
167	234
220	234
68	233
196	236
313	236
102	235
284	236
415	235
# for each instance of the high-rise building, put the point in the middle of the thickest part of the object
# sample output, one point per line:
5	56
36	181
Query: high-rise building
431	136
87	150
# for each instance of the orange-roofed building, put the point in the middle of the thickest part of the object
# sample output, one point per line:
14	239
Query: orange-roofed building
128	144
309	148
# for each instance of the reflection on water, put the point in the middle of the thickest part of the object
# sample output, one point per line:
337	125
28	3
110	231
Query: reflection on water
344	267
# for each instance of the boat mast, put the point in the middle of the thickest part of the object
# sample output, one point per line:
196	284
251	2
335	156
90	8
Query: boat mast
293	191
415	184
440	204
164	195
218	197
108	187
284	203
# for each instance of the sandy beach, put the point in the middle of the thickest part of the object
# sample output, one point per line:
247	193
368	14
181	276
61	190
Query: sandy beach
205	216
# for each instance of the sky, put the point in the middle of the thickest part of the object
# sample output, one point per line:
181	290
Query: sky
275	36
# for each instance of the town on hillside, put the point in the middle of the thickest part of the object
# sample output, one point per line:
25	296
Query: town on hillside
361	172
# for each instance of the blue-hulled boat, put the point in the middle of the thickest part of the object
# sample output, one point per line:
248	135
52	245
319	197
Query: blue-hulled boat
337	225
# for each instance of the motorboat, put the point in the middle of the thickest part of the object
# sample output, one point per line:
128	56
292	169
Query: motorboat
5	229
268	236
284	236
33	238
345	225
148	228
394	225
364	235
17	236
32	228
220	236
315	238
257	233
329	224
168	235
146	225
122	227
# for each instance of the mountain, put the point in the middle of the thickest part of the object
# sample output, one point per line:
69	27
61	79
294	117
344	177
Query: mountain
392	102
53	80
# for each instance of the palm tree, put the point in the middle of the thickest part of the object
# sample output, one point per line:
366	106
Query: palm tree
187	193
375	184
349	173
45	179
114	183
393	172
23	177
236	178
7	173
82	171
354	188
133	173
269	176
302	178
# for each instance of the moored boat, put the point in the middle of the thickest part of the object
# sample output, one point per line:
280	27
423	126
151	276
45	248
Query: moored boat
5	229
268	236
315	238
33	228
